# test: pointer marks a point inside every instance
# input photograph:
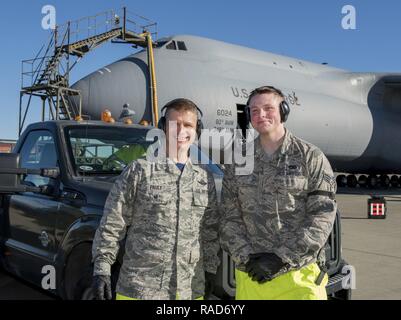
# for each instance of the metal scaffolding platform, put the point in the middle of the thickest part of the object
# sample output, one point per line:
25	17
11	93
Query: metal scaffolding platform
47	75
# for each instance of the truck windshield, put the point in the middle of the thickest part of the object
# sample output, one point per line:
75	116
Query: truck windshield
98	150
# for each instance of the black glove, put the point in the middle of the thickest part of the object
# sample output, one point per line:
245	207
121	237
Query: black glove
262	267
210	280
102	287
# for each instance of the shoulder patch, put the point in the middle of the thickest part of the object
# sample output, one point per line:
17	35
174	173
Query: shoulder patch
329	179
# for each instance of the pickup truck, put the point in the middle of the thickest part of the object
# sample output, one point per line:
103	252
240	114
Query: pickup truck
53	188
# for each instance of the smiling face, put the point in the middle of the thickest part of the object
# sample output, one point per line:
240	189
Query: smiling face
265	113
181	129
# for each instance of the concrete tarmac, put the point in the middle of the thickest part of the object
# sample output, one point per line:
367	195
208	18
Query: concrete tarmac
372	247
12	288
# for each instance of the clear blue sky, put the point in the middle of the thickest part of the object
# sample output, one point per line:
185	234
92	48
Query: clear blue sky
308	29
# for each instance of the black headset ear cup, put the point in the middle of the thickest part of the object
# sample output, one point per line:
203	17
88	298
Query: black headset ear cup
284	111
162	123
247	117
199	127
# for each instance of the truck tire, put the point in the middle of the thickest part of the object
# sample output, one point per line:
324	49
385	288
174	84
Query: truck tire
79	274
83	289
78	271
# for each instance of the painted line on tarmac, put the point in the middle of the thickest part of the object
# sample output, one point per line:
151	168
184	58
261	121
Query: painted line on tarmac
373	253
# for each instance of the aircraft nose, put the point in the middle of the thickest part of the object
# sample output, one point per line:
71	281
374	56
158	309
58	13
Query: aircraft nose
112	87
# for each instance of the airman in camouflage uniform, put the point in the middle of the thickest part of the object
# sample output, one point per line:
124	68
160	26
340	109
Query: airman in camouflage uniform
170	219
286	209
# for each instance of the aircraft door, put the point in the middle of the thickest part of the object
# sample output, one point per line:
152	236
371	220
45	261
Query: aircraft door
242	119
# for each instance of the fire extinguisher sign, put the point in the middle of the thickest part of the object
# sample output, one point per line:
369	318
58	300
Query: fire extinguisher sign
377	208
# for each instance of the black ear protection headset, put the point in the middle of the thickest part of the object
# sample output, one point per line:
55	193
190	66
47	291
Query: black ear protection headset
163	120
284	107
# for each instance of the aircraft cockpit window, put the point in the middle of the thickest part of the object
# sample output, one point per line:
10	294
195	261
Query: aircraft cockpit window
160	44
171	46
181	45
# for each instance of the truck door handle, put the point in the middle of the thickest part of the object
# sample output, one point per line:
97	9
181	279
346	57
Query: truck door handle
73	196
70	195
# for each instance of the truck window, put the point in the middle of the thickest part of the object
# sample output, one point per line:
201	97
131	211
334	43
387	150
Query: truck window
38	151
105	150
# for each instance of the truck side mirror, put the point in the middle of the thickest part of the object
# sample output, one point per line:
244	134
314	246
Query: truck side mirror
10	175
10	182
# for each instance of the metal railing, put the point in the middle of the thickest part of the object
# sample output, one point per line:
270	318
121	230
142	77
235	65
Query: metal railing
48	73
81	30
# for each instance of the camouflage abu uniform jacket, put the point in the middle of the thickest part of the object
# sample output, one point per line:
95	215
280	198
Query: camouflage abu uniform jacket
171	223
286	206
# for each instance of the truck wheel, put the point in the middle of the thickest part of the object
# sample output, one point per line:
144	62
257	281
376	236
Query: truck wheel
79	273
78	270
83	289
